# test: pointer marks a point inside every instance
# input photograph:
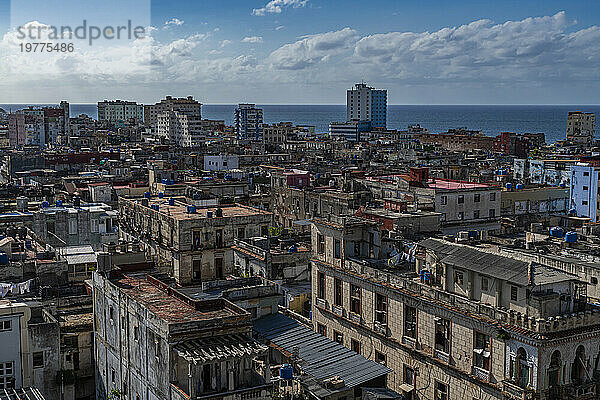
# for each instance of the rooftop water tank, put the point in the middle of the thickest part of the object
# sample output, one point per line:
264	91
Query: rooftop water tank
519	186
556	231
147	195
58	203
509	186
571	237
286	371
191	209
171	201
161	195
45	204
3	258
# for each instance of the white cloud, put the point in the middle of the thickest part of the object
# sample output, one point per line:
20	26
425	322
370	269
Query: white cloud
173	22
225	43
313	49
529	49
252	39
277	6
280	27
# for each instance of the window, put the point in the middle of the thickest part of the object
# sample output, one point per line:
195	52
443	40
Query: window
485	283
481	351
7	379
264	230
157	347
459	278
585	188
410	322
380	357
492	213
5	325
492	196
381	308
321	285
111	312
461	215
38	359
72	226
241	233
584	202
408	375
586	174
338	337
320	244
440	391
442	335
514	291
355	296
337	249
355	345
321	329
443	217
594	280
338	292
475	214
444	200
136	333
477	197
461	199
112	375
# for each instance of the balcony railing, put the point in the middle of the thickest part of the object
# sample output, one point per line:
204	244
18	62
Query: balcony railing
516	392
321	303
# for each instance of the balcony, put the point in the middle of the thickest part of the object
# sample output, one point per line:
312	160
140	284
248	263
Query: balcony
338	310
513	391
321	303
257	392
356	318
582	391
481	373
440	355
381	328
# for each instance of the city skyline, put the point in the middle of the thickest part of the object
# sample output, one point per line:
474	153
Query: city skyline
310	52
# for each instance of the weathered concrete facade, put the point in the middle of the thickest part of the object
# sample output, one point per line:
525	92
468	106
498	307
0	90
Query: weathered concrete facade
194	244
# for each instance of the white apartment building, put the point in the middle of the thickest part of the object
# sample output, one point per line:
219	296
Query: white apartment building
119	110
181	129
364	103
221	162
584	191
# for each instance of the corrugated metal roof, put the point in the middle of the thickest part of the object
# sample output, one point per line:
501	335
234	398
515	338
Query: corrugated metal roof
81	259
29	393
320	357
219	348
494	265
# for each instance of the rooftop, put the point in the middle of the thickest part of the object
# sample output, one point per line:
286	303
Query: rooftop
167	305
179	209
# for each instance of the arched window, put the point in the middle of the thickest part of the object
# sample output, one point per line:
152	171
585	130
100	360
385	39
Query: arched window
520	369
554	369
578	373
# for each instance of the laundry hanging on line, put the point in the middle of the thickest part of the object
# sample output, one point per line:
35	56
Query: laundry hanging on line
15	288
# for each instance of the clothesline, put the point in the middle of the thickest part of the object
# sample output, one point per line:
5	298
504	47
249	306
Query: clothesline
15	288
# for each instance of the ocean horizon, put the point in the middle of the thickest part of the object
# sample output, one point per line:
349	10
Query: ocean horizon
490	119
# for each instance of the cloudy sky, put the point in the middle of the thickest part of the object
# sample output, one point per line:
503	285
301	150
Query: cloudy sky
310	51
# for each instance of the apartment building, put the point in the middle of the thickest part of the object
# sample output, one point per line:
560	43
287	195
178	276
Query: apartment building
351	131
581	127
183	105
462	205
364	103
29	350
278	134
181	129
72	225
120	111
457	322
584	200
192	242
153	341
248	122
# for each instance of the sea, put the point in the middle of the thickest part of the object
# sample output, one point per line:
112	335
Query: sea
490	119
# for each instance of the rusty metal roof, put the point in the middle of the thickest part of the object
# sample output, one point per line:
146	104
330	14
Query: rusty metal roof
201	351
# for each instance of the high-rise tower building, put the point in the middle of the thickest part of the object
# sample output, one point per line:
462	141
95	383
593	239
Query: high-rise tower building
365	103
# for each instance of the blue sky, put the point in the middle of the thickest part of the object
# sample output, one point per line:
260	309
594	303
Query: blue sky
310	51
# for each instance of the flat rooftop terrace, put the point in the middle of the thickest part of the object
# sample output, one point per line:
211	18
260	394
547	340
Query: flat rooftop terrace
169	307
